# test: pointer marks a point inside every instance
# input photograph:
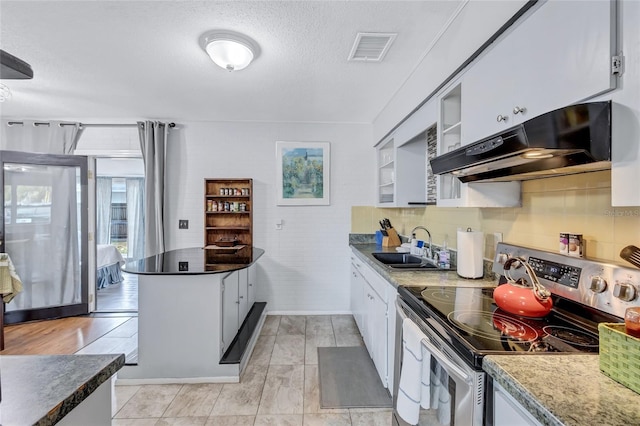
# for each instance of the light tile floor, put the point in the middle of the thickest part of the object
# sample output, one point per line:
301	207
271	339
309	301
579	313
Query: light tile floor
122	339
279	386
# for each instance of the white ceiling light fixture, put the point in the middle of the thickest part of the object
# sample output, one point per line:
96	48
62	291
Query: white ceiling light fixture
229	50
5	93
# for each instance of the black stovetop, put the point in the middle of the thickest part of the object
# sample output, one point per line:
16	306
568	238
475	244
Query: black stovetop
472	323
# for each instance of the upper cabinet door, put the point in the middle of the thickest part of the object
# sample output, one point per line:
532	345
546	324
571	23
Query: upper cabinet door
559	55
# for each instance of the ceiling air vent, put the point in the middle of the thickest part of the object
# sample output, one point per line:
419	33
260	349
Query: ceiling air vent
371	47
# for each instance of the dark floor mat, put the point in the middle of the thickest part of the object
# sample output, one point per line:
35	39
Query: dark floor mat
348	379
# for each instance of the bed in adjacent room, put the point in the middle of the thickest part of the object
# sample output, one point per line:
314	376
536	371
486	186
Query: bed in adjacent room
108	261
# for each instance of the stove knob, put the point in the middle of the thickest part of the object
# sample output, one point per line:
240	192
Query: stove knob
624	291
598	284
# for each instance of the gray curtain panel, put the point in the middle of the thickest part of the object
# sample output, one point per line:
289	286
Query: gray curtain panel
103	210
153	140
135	218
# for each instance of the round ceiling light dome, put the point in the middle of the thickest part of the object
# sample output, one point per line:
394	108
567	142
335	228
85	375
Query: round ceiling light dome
229	50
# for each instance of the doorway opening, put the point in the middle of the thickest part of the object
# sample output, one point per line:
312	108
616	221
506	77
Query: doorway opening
119	231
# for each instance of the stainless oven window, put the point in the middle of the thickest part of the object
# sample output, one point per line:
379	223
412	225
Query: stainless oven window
457	390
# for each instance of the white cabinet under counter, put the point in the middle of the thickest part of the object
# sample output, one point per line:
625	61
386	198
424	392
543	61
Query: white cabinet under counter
372	304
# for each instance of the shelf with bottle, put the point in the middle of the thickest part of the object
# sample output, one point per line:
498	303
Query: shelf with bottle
228	212
215	206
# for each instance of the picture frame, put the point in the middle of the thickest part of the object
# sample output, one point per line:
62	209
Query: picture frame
303	171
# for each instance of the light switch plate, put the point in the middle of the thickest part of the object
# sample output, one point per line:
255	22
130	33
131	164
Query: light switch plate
183	224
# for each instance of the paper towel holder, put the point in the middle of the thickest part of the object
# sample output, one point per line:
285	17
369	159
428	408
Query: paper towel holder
470	262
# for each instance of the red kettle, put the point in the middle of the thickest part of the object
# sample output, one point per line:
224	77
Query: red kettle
521	298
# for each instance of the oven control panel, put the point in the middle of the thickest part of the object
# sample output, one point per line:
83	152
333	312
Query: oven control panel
608	287
556	272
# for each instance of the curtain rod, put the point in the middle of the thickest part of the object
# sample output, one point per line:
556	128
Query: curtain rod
11	123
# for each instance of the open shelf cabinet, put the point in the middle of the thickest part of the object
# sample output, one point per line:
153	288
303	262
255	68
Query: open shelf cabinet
228	222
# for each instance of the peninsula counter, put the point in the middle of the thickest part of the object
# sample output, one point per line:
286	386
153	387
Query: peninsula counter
197	315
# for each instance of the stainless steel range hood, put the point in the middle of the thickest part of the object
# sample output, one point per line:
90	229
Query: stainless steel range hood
574	139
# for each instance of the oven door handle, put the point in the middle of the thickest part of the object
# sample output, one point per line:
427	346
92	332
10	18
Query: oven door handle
451	368
442	358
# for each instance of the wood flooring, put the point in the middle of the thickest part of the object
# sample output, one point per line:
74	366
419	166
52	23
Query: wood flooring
63	336
119	297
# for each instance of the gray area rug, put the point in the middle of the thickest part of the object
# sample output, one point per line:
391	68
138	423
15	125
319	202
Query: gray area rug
348	379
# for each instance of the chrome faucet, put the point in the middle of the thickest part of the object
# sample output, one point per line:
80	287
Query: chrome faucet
413	237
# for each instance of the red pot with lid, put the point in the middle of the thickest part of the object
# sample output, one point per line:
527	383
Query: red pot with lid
520	297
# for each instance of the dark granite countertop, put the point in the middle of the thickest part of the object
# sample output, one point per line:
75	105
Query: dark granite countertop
565	390
194	261
420	278
42	389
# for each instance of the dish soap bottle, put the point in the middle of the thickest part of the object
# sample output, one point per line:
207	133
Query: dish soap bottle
444	261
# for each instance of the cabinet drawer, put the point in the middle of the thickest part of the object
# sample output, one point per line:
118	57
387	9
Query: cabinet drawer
377	283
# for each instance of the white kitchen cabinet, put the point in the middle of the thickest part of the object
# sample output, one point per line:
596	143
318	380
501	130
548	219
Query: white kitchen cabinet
230	310
450	191
251	286
448	187
357	300
625	149
243	295
509	412
559	55
402	161
376	312
386	172
372	304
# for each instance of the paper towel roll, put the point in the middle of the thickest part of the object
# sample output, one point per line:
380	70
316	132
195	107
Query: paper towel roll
470	253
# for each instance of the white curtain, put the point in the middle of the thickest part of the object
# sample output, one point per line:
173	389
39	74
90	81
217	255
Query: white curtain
46	250
153	140
103	210
64	235
46	137
135	218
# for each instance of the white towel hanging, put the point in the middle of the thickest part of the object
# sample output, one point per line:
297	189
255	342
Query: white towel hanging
411	388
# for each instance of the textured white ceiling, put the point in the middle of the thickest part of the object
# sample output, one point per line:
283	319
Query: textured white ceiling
141	59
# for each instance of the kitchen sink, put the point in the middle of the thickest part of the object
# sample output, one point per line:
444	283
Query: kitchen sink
404	261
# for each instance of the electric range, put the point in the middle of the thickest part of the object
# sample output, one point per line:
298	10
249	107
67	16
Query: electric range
463	324
584	293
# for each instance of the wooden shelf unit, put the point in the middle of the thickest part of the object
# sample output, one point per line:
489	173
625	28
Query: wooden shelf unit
222	226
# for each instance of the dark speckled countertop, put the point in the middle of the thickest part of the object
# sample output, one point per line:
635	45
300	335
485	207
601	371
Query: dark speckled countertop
565	390
415	278
42	389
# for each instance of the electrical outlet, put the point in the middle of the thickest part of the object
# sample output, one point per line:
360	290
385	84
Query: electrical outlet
183	224
183	266
497	238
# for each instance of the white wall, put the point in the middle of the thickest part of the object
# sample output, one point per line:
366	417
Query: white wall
306	265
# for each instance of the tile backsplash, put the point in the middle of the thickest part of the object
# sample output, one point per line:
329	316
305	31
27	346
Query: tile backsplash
575	204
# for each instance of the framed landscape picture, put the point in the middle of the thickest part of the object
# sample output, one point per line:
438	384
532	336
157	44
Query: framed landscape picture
303	171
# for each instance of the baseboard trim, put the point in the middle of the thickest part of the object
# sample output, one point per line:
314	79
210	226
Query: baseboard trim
173	380
310	313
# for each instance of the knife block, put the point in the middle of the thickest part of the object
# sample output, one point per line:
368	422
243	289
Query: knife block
392	239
